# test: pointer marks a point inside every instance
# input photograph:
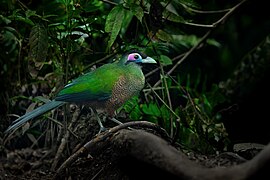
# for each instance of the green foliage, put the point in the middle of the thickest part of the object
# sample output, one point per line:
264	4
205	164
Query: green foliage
195	124
38	41
44	44
133	108
165	60
114	22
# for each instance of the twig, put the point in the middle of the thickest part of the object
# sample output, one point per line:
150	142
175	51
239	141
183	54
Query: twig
110	2
156	69
168	97
177	130
199	25
204	38
192	104
163	102
98	173
159	88
100	60
205	12
64	140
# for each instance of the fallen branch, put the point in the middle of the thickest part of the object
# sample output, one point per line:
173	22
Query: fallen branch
154	151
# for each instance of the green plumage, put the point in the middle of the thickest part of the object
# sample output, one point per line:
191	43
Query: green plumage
93	86
106	88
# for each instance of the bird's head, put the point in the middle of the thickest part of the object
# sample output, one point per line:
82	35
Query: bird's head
138	58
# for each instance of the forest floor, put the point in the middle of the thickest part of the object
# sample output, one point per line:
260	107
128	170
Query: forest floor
30	163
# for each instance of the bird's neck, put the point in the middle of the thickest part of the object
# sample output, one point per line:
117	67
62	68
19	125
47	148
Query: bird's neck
135	72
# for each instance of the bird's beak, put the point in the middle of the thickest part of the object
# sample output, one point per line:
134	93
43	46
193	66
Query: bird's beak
148	60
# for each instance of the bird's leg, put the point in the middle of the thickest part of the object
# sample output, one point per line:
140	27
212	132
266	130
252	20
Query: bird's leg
102	128
118	122
115	120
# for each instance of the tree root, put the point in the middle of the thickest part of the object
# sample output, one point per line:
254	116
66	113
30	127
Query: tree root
153	150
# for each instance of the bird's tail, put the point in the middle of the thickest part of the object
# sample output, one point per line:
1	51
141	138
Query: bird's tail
35	113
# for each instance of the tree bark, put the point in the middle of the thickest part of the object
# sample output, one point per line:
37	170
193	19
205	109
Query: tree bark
154	151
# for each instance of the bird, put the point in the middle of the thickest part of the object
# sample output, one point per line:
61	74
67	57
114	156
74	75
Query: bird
106	88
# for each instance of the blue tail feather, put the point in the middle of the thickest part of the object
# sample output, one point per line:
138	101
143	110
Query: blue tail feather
35	113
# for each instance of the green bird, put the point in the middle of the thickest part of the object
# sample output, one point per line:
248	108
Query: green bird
106	88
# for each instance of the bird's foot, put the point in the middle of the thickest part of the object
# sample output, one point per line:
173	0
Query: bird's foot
116	121
102	129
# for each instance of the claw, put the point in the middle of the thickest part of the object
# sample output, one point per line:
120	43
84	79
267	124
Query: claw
102	129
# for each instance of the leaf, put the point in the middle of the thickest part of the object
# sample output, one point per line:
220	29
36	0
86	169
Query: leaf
213	42
23	19
165	60
30	13
135	114
42	99
151	109
164	36
92	6
165	114
215	95
126	22
32	138
31	107
137	10
172	16
4	19
10	38
113	23
132	107
38	42
25	127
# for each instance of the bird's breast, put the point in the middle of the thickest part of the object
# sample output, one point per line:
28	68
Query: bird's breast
126	87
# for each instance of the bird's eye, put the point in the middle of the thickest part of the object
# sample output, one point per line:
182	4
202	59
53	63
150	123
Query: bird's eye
136	56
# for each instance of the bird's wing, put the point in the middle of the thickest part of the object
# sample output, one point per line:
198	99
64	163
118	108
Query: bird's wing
94	86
